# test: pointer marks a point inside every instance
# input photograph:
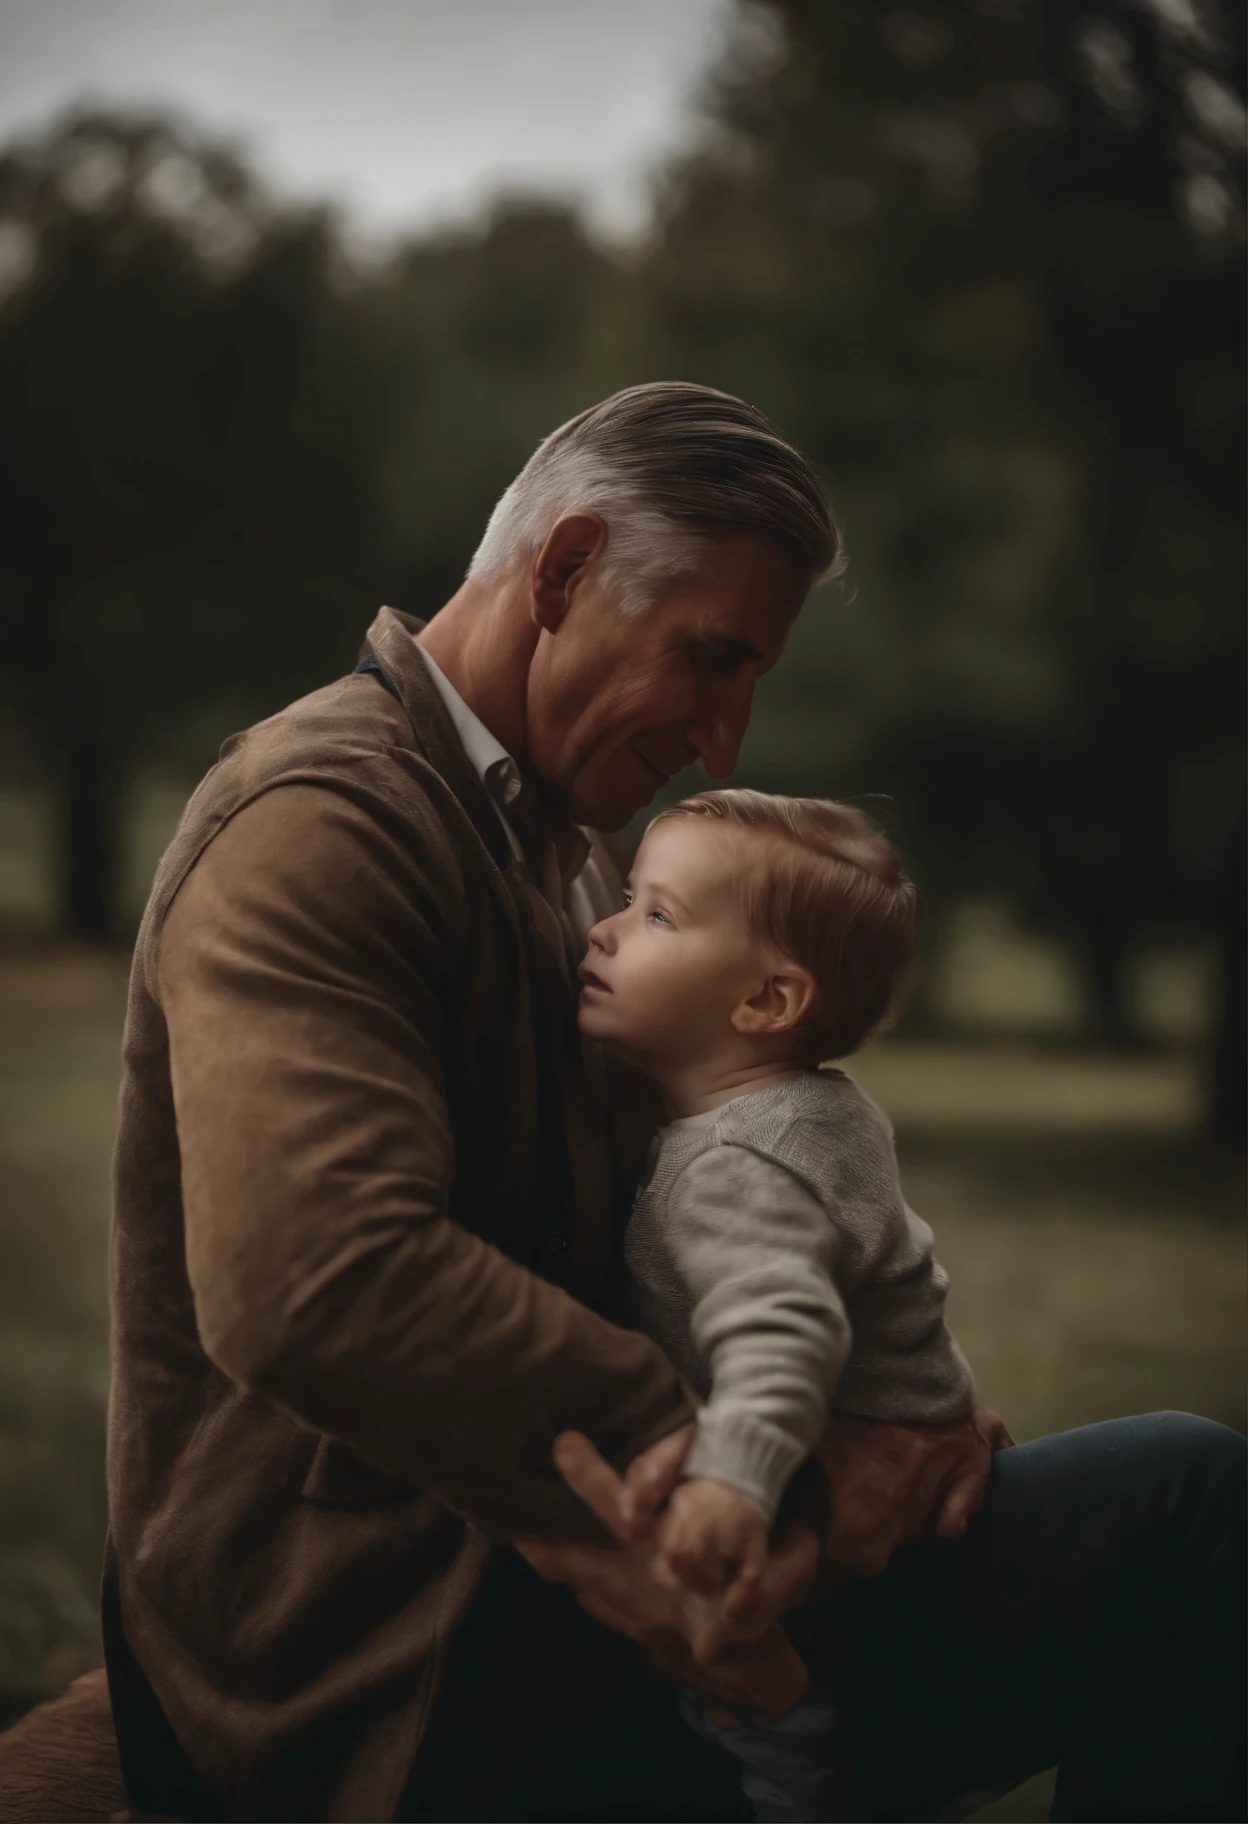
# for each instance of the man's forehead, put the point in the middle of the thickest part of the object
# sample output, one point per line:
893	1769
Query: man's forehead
742	589
752	632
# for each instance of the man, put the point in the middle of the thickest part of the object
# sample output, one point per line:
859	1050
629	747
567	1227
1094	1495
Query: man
366	1175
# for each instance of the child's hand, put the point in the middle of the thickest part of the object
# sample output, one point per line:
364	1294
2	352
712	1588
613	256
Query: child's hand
712	1536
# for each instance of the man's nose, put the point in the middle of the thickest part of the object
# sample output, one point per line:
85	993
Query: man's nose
718	738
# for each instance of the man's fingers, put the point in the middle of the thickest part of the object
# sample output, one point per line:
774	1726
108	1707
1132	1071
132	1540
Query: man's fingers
994	1429
677	1562
566	1560
778	1676
750	1609
554	1559
740	1599
592	1478
959	1507
789	1568
706	1636
654	1473
745	1585
961	1503
754	1559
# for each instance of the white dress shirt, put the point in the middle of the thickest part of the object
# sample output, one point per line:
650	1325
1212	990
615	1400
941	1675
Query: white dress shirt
589	894
498	772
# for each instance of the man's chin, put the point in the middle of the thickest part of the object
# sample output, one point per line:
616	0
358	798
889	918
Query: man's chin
610	814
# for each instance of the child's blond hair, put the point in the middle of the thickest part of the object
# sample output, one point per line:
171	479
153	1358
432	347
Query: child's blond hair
828	891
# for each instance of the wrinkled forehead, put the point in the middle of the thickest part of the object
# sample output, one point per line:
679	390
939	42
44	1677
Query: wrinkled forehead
742	587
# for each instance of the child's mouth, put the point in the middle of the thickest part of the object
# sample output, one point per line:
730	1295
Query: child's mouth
590	980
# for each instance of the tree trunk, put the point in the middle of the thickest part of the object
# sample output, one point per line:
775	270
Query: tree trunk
90	843
1103	957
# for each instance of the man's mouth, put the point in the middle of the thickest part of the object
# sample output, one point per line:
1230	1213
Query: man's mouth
590	980
662	777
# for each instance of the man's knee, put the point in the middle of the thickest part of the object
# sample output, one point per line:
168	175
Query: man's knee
1200	1471
1189	1445
1140	1485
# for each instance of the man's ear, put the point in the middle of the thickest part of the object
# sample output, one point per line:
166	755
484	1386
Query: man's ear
781	1004
570	544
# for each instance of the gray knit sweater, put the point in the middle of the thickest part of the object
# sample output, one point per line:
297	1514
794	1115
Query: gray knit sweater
776	1262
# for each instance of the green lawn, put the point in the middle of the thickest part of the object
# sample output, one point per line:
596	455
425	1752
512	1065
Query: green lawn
1094	1244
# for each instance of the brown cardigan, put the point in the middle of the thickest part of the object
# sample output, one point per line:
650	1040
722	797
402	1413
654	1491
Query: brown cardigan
362	1218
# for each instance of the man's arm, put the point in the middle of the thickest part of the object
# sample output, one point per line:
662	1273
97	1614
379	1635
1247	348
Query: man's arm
302	971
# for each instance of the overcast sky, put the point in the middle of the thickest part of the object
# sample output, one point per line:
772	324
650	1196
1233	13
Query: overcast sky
406	111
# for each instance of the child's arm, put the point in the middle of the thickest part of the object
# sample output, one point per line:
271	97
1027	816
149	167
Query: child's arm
756	1253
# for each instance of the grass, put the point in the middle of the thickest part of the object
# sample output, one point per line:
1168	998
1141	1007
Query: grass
59	1036
1094	1246
1094	1243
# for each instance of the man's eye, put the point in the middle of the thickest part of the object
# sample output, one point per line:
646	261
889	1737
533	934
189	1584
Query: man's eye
712	662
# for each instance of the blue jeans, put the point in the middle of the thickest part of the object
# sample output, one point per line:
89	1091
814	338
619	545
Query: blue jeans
1093	1617
1154	1515
792	1767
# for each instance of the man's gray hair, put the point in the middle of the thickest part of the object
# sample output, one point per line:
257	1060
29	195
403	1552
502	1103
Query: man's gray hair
669	467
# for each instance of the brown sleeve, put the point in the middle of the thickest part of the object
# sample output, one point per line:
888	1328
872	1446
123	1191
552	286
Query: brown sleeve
302	968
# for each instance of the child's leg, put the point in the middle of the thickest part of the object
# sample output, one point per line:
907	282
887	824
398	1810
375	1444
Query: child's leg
791	1769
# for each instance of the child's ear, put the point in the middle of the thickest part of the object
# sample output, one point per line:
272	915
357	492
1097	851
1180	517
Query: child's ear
780	1005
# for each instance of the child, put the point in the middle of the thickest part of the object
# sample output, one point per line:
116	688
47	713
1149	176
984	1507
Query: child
771	1252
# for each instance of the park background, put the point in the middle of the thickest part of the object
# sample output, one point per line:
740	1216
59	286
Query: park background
983	262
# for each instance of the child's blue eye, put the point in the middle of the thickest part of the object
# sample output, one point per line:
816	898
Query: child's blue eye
661	916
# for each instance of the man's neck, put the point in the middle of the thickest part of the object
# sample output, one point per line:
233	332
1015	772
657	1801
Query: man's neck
484	643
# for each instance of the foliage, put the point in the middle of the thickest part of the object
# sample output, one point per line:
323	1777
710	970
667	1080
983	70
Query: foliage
177	512
982	259
987	262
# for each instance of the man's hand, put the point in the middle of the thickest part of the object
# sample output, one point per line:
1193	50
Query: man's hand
895	1485
627	1587
648	1481
714	1538
891	1485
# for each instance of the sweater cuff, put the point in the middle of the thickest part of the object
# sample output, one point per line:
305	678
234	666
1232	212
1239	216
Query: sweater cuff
746	1453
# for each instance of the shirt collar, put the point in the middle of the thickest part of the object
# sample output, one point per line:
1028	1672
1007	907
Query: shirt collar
497	770
501	776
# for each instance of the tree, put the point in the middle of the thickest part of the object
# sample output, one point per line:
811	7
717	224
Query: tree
986	261
178	513
1119	203
472	345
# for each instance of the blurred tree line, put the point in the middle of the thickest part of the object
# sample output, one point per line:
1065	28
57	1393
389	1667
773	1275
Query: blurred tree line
981	259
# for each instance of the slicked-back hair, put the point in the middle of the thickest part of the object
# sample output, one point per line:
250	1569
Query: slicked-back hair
818	881
668	467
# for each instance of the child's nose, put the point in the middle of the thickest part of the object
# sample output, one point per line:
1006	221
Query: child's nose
602	936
